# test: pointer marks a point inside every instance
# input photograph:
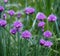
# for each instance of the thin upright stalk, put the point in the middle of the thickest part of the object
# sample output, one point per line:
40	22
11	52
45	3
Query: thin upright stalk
0	15
58	33
18	35
4	41
5	34
1	45
47	24
57	28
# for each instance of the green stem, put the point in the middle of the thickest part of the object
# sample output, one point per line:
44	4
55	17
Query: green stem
47	25
26	3
58	33
15	46
57	28
33	25
1	44
18	35
0	15
4	41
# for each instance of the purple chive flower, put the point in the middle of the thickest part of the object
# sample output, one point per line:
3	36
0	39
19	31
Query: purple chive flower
1	8
40	16
4	16
29	10
48	44
41	24
26	34
5	1
3	23
52	18
13	31
17	24
42	42
47	34
19	15
11	12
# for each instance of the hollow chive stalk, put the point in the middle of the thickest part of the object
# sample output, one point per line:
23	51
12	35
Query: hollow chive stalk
47	24
39	37
1	44
9	39
58	33
4	41
57	28
4	32
0	15
18	35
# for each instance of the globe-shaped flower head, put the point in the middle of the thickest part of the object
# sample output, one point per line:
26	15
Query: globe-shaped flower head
40	16
3	23
41	24
47	34
13	31
4	16
1	8
11	12
52	18
29	10
26	34
19	15
42	42
5	1
17	24
48	44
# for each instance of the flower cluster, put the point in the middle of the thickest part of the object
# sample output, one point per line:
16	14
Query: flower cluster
3	23
47	34
41	24
13	31
45	43
17	25
11	12
52	18
29	10
1	8
19	15
26	34
5	1
4	16
40	16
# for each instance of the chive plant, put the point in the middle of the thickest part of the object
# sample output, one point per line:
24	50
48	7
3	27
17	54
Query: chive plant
33	31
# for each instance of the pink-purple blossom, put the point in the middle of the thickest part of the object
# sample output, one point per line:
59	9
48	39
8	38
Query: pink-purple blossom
3	23
42	42
1	8
52	18
48	44
26	34
41	24
47	34
17	24
19	15
11	12
4	16
13	31
5	1
29	10
40	16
